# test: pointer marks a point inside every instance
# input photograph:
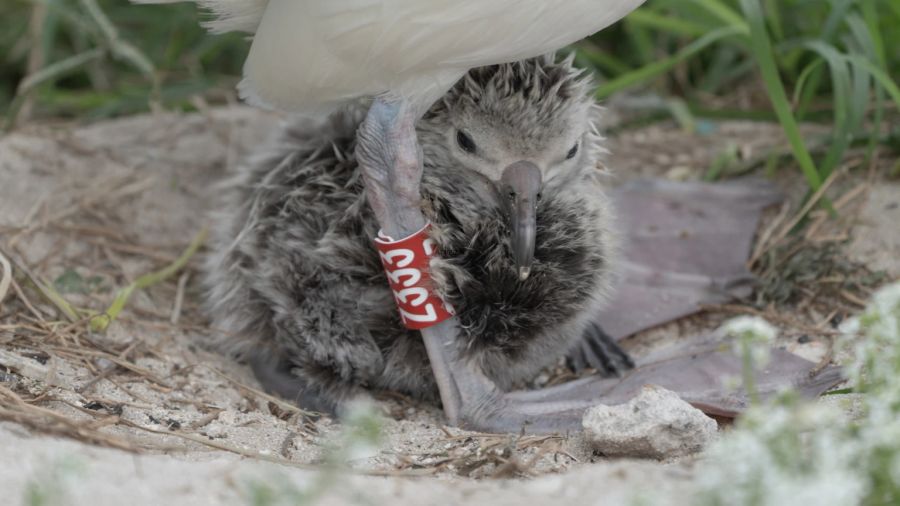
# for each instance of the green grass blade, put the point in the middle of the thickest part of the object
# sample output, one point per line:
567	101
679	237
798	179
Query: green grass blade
811	91
101	322
893	5
800	85
840	81
725	61
669	24
774	17
761	47
57	70
119	47
725	13
865	31
641	41
836	18
868	35
883	79
49	31
601	58
660	67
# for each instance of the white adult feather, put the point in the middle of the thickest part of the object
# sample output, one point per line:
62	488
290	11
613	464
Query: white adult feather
313	55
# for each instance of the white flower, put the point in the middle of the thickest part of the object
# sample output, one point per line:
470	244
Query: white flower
783	454
793	452
361	435
877	354
731	382
752	327
751	333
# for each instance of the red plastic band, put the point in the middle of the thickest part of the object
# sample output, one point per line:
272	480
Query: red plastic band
406	263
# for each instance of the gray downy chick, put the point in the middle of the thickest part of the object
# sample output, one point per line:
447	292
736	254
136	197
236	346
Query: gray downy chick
296	288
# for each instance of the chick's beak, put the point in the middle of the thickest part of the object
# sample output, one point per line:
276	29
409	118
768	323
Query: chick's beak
520	186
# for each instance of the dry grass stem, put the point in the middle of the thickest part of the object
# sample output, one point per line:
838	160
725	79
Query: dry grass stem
179	298
5	277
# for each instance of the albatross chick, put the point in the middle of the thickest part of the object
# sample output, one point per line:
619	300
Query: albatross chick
512	188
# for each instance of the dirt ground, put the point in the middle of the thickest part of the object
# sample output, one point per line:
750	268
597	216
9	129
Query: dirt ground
141	414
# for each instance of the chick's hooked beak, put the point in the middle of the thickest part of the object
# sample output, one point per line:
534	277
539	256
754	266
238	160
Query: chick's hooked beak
520	186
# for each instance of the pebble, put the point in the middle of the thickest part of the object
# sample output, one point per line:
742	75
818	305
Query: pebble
657	424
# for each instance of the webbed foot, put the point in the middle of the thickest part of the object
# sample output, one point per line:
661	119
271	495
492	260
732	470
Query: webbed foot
601	352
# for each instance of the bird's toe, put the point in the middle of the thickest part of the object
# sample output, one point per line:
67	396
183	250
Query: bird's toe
601	352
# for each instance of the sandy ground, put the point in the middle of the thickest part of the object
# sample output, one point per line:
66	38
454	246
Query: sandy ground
82	474
93	208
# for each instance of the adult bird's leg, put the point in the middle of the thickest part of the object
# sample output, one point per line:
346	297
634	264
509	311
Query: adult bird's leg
391	162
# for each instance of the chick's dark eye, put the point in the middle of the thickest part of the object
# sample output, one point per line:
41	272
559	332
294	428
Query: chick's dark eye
465	142
572	152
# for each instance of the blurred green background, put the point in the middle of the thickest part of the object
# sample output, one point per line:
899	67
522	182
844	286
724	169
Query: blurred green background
833	62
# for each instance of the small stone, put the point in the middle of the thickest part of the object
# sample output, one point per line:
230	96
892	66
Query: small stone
656	424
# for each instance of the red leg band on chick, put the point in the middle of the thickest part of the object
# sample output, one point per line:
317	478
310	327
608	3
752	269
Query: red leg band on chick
406	263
